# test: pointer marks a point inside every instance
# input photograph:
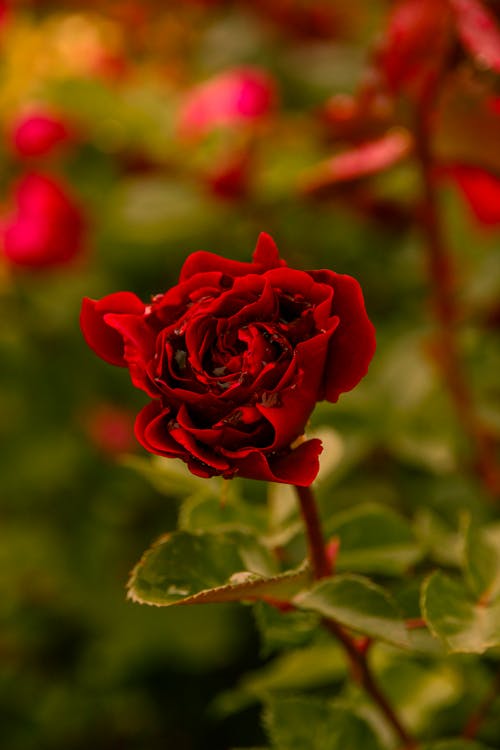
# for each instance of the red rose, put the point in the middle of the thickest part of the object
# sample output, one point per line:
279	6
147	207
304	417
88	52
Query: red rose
47	227
39	134
235	357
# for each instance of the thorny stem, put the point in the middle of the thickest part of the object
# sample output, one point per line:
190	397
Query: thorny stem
357	658
477	718
441	279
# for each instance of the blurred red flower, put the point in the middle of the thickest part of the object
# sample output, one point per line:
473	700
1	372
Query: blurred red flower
46	228
39	133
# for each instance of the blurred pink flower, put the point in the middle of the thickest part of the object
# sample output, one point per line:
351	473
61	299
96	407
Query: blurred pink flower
39	134
230	99
46	227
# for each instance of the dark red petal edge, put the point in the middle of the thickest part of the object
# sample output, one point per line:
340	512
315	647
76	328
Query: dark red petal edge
352	346
299	467
105	341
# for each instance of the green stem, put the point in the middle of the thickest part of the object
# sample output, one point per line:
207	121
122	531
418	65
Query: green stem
358	661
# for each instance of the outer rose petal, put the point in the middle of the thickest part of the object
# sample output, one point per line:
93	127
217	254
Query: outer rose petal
299	467
289	417
152	433
352	346
104	340
265	257
266	253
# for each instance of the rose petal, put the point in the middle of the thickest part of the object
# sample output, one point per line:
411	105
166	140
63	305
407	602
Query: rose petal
266	256
103	339
151	430
138	347
294	404
299	467
197	450
353	344
266	253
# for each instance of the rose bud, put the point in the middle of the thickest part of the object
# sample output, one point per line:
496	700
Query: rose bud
47	226
234	98
39	134
234	359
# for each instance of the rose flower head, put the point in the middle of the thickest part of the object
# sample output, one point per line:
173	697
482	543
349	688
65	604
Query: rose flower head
39	133
46	227
234	358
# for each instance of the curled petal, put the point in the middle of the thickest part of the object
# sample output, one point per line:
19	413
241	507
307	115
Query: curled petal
105	340
298	467
151	430
266	253
353	344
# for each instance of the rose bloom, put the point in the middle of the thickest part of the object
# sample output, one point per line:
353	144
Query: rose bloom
39	134
46	228
234	358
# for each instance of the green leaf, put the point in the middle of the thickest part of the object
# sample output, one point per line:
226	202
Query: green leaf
357	603
302	669
444	544
452	614
418	691
278	632
311	724
188	568
202	513
373	539
482	562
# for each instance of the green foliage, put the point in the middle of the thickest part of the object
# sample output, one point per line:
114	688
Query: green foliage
417	570
373	539
453	614
357	603
188	568
310	724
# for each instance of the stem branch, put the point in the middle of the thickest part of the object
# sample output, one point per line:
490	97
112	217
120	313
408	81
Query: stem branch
357	658
441	279
477	718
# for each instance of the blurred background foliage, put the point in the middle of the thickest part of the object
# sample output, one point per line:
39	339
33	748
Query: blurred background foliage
80	666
